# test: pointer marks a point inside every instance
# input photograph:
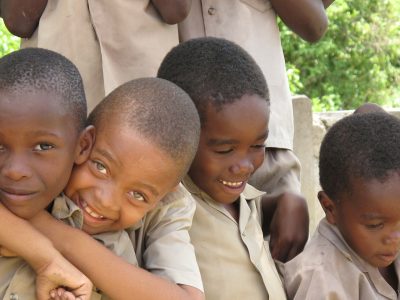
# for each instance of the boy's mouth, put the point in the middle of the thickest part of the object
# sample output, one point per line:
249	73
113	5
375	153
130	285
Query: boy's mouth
232	184
13	194
388	257
89	210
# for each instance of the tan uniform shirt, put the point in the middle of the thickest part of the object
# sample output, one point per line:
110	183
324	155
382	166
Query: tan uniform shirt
234	260
162	243
328	269
17	280
252	25
110	42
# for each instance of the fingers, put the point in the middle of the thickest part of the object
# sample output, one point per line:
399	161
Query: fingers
61	294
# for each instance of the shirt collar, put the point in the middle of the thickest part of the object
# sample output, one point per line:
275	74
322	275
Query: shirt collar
64	208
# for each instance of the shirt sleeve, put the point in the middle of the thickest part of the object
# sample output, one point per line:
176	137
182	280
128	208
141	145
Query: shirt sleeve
168	251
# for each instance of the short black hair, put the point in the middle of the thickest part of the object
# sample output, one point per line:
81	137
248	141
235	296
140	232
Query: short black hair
360	146
36	69
213	70
158	110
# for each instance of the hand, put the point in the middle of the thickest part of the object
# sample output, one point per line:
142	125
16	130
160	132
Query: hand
61	279
62	294
289	227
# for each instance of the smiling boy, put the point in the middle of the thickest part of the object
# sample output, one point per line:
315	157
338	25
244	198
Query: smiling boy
134	161
231	96
354	253
146	135
42	134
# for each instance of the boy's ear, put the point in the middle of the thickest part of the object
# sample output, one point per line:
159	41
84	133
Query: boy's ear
329	207
85	144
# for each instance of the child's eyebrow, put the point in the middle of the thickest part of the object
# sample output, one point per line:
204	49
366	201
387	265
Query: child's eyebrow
42	133
371	216
221	142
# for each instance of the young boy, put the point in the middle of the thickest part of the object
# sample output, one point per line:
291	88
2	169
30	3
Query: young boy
42	134
146	136
354	253
118	184
110	191
231	96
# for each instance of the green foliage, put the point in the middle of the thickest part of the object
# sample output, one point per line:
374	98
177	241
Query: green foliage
8	42
358	59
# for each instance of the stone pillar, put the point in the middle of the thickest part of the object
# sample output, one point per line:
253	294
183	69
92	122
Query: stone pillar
304	150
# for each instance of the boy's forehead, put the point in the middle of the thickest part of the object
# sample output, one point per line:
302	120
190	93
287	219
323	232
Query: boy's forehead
28	95
375	194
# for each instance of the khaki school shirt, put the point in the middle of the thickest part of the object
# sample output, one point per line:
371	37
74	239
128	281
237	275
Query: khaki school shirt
162	243
17	279
252	25
234	260
110	41
328	269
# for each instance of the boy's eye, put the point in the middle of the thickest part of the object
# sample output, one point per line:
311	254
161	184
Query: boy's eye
225	151
137	196
100	167
375	226
259	146
43	147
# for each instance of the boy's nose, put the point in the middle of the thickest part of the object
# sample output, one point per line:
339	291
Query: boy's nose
392	238
244	166
16	168
107	198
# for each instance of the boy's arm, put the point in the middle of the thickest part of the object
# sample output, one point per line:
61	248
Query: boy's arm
173	11
21	17
115	277
286	219
307	18
52	269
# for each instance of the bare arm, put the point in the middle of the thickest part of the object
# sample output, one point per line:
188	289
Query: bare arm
117	278
21	17
173	11
286	218
52	269
307	18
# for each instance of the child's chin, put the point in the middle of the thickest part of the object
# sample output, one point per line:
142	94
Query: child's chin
383	261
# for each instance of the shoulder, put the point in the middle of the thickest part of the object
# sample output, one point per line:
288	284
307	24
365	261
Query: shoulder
321	271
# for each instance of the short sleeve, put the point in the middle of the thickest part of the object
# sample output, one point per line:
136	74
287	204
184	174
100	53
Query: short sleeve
168	251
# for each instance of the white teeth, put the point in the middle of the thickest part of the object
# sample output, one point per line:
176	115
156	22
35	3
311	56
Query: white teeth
232	184
91	212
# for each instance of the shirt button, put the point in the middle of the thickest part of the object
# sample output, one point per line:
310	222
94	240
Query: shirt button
211	11
13	296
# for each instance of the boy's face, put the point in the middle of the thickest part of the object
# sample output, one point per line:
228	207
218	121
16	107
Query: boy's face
369	219
38	146
231	147
124	177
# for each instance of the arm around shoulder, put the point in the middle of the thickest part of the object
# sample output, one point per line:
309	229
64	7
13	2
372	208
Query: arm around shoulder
114	276
21	17
173	11
307	18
